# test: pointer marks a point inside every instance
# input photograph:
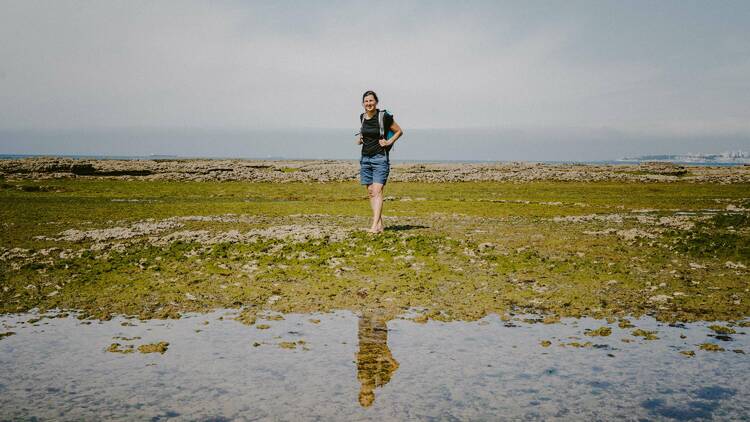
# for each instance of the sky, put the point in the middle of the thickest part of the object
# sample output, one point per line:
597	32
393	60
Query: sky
569	76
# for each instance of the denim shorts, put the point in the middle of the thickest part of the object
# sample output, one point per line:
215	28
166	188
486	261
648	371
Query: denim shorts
374	169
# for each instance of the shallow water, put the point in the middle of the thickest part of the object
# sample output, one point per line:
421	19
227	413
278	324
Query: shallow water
362	368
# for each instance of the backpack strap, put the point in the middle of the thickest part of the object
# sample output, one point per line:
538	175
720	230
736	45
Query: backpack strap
381	116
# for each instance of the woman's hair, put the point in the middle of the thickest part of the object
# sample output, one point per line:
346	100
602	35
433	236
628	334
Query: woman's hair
369	93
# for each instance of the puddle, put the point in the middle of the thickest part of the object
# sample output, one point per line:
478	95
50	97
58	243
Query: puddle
341	366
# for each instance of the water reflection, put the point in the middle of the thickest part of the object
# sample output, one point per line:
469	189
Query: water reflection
219	369
375	363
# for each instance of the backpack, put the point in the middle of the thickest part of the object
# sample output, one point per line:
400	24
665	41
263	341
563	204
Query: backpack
381	117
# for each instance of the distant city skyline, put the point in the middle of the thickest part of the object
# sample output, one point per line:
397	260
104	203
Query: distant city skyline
568	78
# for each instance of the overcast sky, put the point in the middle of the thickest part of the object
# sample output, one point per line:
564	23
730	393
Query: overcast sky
666	68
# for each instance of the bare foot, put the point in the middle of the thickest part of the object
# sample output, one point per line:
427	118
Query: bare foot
375	230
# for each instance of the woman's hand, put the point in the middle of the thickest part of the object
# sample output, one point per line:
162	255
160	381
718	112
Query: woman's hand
384	143
359	139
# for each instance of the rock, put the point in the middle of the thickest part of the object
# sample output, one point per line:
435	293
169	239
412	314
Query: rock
599	332
647	335
420	319
116	348
720	329
734	265
160	347
347	170
711	347
660	299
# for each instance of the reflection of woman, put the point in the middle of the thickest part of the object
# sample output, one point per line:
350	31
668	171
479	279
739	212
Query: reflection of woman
375	163
375	364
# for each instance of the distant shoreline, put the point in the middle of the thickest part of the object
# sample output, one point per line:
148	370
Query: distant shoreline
160	157
278	170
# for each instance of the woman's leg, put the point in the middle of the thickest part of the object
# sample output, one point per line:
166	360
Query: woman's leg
375	191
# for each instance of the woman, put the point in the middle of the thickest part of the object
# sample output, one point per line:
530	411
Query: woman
375	164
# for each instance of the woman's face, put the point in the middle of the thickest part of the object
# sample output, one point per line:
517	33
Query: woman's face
369	103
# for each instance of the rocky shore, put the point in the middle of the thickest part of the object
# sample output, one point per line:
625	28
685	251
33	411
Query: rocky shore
341	170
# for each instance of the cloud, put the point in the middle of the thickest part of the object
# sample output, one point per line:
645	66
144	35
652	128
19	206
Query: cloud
78	64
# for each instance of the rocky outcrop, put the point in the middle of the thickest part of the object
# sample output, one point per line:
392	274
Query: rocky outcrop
341	170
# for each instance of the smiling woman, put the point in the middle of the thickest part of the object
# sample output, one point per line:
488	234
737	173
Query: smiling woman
378	133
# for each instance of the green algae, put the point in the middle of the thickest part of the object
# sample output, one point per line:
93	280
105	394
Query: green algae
246	317
646	334
262	326
6	334
720	329
442	255
688	353
160	347
545	343
710	347
624	323
577	344
119	348
599	332
420	319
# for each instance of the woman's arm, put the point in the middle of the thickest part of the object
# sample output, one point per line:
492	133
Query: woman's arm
397	132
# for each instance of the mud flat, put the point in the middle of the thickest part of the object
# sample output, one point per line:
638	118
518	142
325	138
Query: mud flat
676	248
332	170
553	293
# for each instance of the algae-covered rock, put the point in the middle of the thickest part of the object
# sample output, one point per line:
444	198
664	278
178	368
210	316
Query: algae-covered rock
262	326
647	335
577	344
159	347
420	319
720	329
551	319
599	332
688	353
118	348
545	343
624	323
288	345
711	347
6	334
246	317
274	317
